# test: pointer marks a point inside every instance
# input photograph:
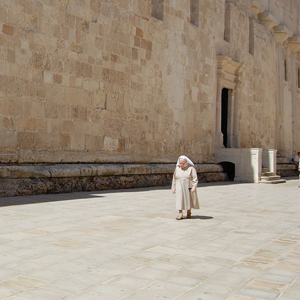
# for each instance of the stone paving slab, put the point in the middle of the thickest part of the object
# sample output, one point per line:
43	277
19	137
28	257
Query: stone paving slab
243	244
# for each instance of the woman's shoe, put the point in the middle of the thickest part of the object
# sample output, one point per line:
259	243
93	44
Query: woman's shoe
179	217
189	216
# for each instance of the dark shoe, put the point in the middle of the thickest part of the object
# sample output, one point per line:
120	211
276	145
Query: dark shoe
189	214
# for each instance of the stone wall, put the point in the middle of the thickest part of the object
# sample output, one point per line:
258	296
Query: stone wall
102	81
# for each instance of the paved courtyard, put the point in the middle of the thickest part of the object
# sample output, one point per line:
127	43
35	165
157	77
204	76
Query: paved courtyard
244	243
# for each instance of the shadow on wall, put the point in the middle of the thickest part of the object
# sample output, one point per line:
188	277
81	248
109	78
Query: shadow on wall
229	169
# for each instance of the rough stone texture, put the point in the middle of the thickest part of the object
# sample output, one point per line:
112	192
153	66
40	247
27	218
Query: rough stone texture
30	180
140	82
105	81
287	170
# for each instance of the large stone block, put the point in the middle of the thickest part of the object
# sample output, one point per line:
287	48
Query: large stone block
9	139
7	29
64	170
23	172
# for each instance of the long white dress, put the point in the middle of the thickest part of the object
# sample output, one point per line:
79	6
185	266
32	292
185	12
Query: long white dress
183	180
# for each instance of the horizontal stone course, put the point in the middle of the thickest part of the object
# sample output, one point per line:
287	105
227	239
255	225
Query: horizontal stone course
65	178
286	170
83	170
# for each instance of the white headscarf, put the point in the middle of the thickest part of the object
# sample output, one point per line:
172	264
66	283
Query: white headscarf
185	158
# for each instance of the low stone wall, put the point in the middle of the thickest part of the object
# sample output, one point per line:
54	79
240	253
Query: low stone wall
287	170
65	178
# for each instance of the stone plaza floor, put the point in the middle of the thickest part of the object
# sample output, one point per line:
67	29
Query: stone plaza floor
244	243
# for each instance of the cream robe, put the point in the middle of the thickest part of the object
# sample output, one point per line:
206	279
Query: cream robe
183	179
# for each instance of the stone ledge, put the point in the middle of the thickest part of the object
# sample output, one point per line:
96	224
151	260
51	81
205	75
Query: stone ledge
33	180
85	170
287	170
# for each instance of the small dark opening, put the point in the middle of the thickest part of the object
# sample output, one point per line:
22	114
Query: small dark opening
224	116
227	21
251	37
285	70
194	12
158	9
229	169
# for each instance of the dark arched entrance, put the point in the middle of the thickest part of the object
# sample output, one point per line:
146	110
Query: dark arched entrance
229	169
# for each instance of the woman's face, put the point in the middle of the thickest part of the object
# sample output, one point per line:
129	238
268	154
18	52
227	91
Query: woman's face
182	163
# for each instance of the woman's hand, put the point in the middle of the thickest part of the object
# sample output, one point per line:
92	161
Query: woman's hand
174	192
192	190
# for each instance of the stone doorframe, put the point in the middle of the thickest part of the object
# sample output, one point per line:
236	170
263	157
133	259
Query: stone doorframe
229	77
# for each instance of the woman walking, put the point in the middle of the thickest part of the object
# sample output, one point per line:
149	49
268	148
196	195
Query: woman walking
184	185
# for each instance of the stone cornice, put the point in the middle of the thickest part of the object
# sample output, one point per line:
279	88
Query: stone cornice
267	20
294	43
282	33
280	30
256	7
229	71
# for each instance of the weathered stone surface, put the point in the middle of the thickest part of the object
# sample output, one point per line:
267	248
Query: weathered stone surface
30	180
32	187
136	169
23	172
212	177
162	168
89	82
64	170
102	94
106	170
286	170
25	186
204	168
85	170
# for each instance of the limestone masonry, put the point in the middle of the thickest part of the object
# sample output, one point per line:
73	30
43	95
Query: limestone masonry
142	82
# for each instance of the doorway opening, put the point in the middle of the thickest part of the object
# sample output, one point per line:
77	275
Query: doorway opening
229	169
224	116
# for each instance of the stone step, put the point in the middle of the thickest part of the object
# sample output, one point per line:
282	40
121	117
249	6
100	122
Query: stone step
268	174
273	181
269	178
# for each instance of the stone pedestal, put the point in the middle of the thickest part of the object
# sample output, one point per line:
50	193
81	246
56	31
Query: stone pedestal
269	159
248	162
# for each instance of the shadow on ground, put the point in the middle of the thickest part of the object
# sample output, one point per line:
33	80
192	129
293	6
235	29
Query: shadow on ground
32	199
45	198
202	217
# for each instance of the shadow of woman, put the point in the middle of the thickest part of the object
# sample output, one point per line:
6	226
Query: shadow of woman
202	217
